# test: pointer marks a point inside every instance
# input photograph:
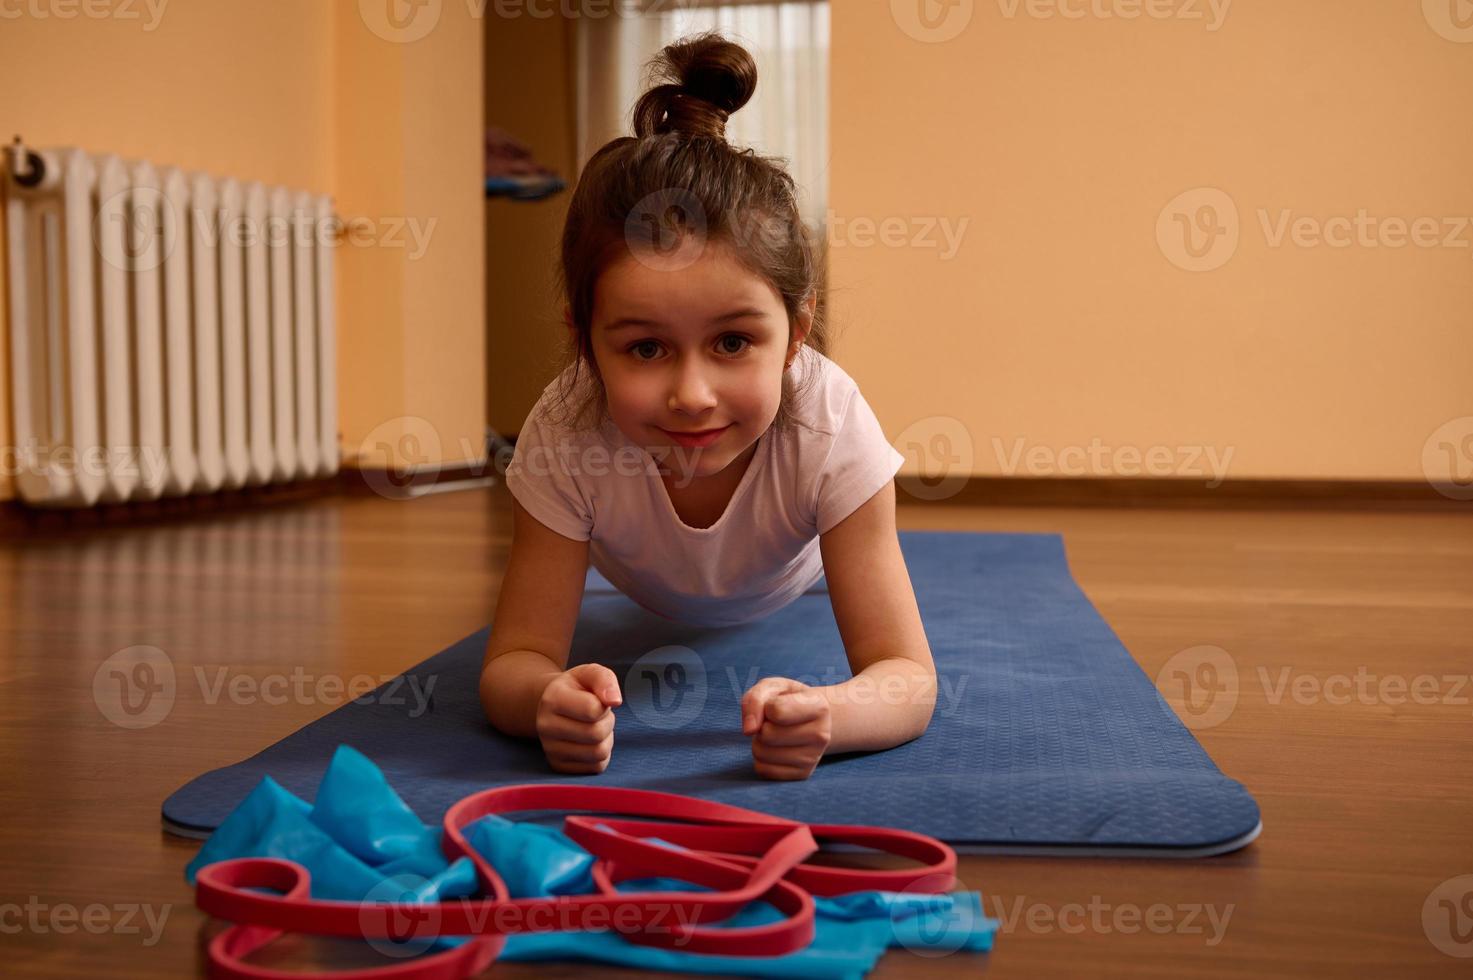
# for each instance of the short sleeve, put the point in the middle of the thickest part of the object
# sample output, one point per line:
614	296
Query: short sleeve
541	480
859	463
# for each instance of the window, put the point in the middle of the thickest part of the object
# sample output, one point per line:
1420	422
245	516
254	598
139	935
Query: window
788	116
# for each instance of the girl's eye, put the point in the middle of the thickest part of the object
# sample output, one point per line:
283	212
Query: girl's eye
635	348
736	336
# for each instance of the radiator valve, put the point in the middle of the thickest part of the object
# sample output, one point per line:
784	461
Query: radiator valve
26	168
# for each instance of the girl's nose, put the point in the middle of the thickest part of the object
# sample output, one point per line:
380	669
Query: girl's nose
692	393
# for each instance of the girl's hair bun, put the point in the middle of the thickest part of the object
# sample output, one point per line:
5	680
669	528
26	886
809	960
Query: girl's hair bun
706	78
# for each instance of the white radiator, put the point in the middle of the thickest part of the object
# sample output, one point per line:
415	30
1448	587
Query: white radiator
171	333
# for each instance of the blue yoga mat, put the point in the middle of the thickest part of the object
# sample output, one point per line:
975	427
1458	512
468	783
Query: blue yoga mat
1047	737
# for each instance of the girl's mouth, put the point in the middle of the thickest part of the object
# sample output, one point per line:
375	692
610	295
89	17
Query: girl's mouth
696	440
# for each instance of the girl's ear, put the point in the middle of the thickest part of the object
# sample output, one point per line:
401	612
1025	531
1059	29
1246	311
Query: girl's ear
805	320
568	316
800	330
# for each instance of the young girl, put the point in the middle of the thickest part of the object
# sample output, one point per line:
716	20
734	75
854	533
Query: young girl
700	449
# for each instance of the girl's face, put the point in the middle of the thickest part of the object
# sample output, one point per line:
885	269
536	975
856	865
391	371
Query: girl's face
689	342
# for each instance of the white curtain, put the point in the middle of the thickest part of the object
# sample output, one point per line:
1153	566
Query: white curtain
788	116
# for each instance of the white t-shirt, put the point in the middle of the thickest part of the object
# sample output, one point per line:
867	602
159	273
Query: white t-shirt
597	486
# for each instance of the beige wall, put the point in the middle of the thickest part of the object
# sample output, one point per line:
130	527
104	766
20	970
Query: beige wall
529	94
301	93
1061	321
410	120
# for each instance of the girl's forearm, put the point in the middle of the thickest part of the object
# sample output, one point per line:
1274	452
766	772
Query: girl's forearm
511	688
887	704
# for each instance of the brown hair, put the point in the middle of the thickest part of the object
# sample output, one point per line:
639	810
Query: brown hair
677	176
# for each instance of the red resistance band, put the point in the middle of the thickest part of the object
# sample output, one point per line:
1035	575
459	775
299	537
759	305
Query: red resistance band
743	855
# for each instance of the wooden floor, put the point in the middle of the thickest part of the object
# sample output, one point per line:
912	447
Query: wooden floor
1367	805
